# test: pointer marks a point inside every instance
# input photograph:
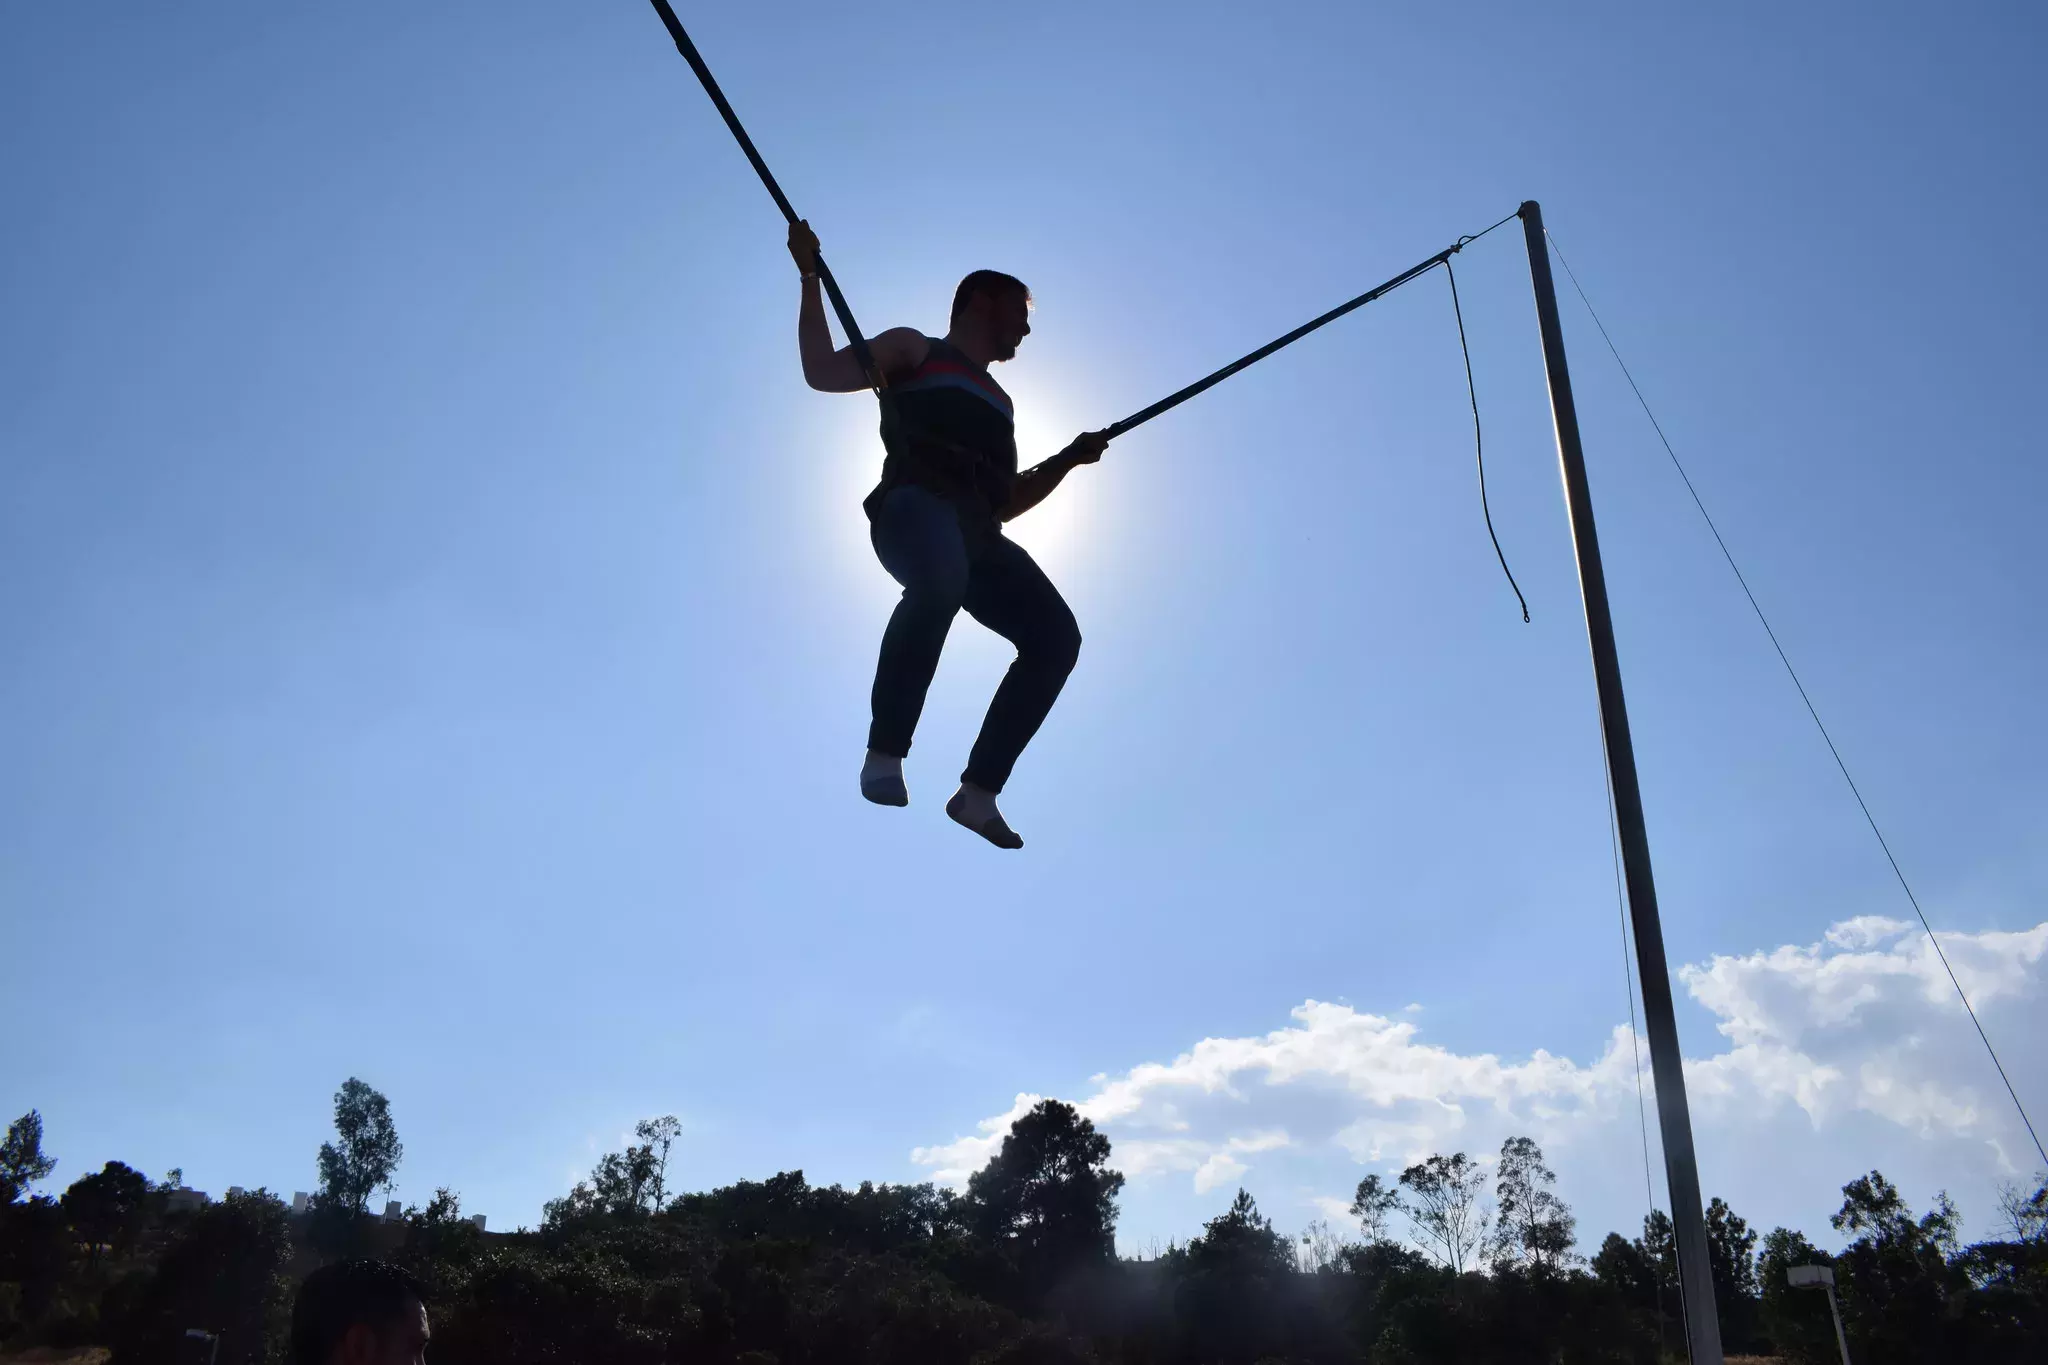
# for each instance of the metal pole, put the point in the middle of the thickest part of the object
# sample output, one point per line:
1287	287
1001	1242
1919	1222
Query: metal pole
1695	1279
732	121
1840	1340
1208	382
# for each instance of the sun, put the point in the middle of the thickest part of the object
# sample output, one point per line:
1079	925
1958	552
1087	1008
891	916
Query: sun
1057	532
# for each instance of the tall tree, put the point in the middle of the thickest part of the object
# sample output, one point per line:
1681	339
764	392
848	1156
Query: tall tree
1897	1285
1047	1199
367	1151
1797	1321
1534	1227
658	1135
107	1208
1731	1256
1444	1207
22	1162
1374	1206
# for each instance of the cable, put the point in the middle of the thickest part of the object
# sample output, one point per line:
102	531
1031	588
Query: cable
1628	975
1478	442
1470	238
1811	710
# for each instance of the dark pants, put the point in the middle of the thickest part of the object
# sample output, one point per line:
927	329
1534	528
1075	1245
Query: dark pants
918	537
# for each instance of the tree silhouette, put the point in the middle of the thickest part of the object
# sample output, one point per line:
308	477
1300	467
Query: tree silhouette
1047	1199
107	1208
658	1135
225	1273
22	1162
367	1153
1374	1206
1444	1207
1534	1227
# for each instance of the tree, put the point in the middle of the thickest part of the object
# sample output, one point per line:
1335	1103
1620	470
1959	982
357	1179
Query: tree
1444	1207
1234	1283
659	1135
1898	1289
225	1274
2026	1214
438	1236
1797	1321
1047	1199
22	1162
1731	1257
1374	1206
1534	1227
368	1151
107	1208
1319	1248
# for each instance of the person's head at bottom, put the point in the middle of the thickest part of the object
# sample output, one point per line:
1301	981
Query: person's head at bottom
359	1313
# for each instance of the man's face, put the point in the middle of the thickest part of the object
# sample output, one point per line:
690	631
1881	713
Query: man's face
1009	321
403	1341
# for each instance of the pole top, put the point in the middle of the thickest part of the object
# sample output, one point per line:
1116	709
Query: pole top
1530	208
1807	1276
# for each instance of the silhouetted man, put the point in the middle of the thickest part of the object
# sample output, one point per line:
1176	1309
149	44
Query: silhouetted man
949	481
360	1313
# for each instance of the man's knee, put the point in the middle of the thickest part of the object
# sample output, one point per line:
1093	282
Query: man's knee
1062	646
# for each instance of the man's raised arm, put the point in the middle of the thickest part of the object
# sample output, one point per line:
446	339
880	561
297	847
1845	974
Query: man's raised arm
838	371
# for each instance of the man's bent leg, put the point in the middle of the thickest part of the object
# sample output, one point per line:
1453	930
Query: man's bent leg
1010	594
916	535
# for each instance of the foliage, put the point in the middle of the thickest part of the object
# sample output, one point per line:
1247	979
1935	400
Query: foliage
1047	1201
223	1273
659	1135
1444	1207
1020	1269
22	1162
367	1151
1533	1227
1374	1206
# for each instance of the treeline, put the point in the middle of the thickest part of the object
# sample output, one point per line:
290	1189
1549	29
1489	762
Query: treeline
1447	1263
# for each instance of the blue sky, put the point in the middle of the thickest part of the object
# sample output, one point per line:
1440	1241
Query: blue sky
439	619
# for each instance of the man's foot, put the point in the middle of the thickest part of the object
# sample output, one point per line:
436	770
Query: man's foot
881	780
975	808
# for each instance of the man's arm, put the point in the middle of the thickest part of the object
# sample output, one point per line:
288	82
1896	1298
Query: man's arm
1035	484
838	371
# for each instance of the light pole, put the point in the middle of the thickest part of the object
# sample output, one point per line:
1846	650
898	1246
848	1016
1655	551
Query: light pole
1806	1277
212	1339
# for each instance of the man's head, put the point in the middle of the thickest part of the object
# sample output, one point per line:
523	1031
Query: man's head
991	315
359	1313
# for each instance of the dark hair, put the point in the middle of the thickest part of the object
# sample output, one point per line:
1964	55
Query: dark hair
336	1297
985	282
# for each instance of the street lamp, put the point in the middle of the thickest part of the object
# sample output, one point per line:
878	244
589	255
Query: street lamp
1806	1277
211	1338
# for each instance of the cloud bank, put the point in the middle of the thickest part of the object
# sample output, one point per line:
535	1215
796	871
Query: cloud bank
1863	1022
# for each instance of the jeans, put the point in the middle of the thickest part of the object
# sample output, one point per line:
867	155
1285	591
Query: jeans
919	538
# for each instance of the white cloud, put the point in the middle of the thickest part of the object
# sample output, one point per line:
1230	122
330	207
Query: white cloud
1864	1021
954	1161
1867	1020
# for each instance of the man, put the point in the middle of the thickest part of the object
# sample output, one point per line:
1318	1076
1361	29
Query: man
949	481
360	1313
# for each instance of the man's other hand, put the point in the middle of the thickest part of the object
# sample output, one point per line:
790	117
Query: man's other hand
1086	448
